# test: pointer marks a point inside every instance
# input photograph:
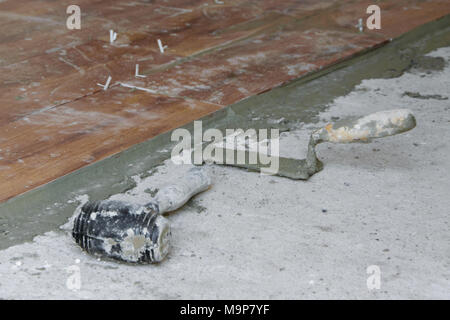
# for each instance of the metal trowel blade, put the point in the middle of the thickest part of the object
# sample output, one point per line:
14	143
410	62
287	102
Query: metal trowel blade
295	158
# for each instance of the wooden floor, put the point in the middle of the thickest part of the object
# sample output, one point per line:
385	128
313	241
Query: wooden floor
55	119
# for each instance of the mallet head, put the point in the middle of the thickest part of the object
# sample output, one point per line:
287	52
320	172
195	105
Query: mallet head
123	231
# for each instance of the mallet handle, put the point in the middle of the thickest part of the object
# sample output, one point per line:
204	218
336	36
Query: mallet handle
176	195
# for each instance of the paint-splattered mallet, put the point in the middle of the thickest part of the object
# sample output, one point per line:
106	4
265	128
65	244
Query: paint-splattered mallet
134	233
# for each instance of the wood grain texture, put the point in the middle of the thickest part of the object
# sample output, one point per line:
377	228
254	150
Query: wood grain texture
46	145
259	63
54	118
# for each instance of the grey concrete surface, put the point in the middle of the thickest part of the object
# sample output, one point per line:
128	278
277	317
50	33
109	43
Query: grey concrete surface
384	204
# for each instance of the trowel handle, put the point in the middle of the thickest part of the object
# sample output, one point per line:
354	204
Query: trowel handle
174	196
376	125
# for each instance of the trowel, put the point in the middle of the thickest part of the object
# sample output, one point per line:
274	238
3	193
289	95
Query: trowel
302	167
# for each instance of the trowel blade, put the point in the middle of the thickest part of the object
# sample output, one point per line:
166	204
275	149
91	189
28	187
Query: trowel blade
296	169
295	159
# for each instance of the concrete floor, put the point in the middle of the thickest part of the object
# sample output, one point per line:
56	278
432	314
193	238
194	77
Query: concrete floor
384	203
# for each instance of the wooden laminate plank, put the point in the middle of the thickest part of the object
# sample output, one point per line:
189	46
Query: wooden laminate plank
260	63
68	72
45	146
